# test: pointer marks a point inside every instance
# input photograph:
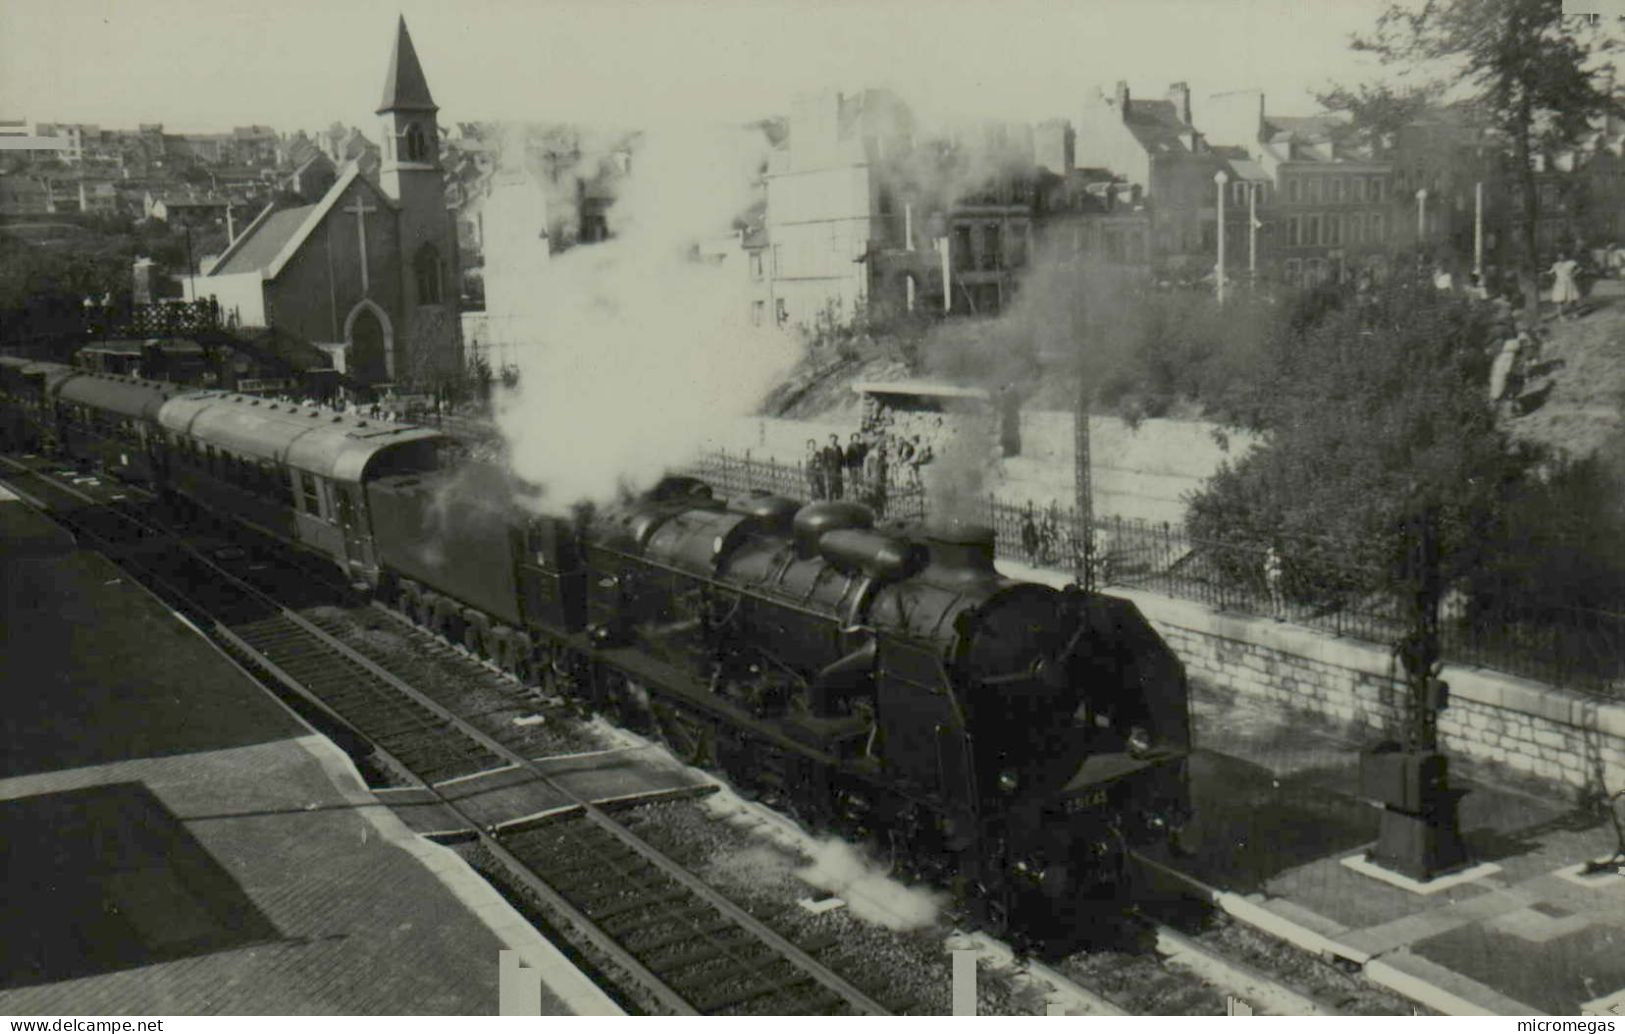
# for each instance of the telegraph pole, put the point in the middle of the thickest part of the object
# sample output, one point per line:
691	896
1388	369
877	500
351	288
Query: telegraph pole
1083	482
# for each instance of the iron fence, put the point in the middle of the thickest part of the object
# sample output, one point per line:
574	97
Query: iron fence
742	474
1337	587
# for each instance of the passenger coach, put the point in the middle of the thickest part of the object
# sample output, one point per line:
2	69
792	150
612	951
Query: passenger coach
296	472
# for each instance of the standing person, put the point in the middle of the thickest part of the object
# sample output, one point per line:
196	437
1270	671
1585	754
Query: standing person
857	449
874	477
834	464
1029	535
812	466
1565	286
1274	577
1501	378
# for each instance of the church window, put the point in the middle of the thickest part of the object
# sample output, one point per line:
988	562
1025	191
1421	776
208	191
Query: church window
413	146
426	268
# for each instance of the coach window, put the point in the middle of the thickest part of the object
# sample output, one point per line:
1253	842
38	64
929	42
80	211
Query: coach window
307	484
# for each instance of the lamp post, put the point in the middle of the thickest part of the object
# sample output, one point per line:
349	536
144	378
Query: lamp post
1220	179
1421	216
1478	232
1252	232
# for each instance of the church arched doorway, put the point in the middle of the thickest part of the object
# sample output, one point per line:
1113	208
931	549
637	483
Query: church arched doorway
370	342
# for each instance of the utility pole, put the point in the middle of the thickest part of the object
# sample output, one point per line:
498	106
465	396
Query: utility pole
191	267
1221	178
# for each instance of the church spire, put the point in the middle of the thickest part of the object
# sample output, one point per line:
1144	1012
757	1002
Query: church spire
405	88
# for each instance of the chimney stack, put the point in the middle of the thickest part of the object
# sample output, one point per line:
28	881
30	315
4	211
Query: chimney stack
1122	98
1180	94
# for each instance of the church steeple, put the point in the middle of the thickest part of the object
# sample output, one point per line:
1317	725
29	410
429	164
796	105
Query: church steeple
405	88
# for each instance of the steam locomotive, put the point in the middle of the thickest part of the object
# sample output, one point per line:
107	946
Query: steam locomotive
1005	738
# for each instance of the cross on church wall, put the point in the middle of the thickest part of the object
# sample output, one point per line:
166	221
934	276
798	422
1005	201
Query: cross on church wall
361	212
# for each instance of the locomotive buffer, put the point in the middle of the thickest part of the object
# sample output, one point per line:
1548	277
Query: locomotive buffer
1420	834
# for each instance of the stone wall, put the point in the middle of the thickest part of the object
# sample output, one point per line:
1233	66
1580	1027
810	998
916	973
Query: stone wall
1514	726
1521	727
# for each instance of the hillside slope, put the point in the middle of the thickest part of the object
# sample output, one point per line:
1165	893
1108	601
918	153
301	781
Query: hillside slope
1572	400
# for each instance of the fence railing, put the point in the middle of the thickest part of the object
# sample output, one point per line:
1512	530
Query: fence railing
741	474
1317	583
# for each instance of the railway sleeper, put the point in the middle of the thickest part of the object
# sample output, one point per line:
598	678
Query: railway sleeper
717	948
588	882
688	932
641	901
676	915
750	989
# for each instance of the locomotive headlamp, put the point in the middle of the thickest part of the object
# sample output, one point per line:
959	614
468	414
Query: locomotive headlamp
1139	741
1008	781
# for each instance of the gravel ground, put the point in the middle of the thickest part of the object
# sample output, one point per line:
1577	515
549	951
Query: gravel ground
1309	974
461	684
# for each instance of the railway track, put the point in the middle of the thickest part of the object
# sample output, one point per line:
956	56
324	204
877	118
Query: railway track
729	961
685	944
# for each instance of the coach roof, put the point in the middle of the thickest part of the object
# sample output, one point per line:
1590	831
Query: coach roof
126	396
322	441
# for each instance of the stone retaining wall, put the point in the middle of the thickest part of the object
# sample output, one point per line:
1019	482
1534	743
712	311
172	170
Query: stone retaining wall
1515	726
1523	727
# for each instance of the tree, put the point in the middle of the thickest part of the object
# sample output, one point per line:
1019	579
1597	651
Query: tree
1377	112
1539	75
1374	412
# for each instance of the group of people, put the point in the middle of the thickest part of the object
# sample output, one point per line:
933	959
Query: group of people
866	468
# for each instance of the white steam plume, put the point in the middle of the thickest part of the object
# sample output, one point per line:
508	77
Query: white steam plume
630	352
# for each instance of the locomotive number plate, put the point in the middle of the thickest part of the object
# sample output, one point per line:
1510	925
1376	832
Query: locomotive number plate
1087	801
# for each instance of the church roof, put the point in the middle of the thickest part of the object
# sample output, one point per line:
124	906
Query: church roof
405	88
265	243
276	236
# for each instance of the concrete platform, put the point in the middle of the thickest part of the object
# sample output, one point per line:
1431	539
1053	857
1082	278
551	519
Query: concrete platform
1518	934
1278	819
176	842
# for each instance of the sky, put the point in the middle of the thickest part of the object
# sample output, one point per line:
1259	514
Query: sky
206	65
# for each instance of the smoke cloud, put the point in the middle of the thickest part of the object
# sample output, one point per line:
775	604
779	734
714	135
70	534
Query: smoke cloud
838	868
631	352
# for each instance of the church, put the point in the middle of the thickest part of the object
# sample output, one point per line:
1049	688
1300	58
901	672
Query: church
368	272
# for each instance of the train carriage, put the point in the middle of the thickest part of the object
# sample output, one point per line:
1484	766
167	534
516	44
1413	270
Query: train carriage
27	388
298	472
110	419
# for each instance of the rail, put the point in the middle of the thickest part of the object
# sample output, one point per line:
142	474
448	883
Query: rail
416	736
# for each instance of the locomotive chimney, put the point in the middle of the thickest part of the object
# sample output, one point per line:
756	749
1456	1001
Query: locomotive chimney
958	545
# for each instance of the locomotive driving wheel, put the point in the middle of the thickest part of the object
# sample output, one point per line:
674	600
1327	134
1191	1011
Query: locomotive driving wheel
691	740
